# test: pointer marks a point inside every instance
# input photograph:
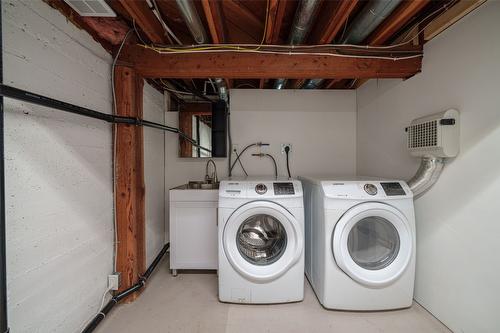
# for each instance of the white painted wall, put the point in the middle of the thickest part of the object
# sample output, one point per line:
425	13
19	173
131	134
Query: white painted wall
154	173
320	125
457	220
58	172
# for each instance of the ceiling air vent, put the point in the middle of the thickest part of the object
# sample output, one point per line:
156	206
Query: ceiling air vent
98	8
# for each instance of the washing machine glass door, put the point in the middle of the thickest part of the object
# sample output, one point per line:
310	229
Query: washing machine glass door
372	243
262	240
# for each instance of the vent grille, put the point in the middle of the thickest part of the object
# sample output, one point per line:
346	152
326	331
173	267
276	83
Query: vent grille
98	8
423	135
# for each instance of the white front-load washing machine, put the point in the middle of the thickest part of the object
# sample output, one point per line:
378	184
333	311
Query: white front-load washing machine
360	242
261	241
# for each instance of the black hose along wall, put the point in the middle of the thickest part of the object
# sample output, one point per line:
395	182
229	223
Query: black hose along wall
3	258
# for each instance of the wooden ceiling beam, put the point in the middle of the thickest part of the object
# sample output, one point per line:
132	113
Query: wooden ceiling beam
274	20
107	31
145	19
402	15
450	17
215	20
263	65
244	19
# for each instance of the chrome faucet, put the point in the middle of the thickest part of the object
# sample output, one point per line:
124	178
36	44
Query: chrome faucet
213	179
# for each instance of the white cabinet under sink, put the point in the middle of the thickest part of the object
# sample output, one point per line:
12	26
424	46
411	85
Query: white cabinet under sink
193	229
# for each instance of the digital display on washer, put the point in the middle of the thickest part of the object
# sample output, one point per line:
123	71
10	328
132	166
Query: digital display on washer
283	188
393	189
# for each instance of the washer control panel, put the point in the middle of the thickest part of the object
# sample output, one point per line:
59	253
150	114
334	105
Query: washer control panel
370	189
283	188
393	188
366	189
260	188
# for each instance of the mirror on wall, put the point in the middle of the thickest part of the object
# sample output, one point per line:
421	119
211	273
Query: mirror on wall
205	126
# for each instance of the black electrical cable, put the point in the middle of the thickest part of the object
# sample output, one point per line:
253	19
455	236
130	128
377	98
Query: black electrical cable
118	297
241	164
274	162
4	327
287	151
30	97
258	144
275	165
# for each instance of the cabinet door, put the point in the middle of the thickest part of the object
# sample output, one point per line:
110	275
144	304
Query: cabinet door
193	235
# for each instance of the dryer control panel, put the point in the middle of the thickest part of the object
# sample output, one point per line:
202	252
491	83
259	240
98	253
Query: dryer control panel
366	189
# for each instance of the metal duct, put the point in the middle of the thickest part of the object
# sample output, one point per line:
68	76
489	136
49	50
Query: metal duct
221	85
193	21
368	19
363	25
427	174
304	15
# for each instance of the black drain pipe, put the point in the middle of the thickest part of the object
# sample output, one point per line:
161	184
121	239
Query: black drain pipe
4	327
118	297
26	96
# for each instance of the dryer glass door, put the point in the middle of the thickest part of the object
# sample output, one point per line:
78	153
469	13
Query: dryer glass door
373	243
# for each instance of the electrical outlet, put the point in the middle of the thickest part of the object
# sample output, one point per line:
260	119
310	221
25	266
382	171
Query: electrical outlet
114	281
283	145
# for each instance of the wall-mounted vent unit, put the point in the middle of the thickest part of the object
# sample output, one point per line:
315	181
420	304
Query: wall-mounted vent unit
98	8
435	135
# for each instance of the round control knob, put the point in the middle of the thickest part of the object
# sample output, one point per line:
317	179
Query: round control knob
261	188
370	189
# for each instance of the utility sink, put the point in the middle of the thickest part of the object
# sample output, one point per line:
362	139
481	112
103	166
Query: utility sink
195	191
198	185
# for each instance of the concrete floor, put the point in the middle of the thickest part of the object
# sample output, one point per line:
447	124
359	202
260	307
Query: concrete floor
188	303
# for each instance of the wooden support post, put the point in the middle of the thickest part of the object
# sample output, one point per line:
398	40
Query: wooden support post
129	171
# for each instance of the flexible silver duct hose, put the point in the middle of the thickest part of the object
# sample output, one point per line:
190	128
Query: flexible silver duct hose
427	174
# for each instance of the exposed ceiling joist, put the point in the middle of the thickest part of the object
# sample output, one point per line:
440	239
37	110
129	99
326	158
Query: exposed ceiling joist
338	21
451	16
326	32
274	20
145	19
107	31
215	20
403	14
275	15
264	65
247	21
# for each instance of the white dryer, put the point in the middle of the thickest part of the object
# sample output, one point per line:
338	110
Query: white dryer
261	241
360	243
